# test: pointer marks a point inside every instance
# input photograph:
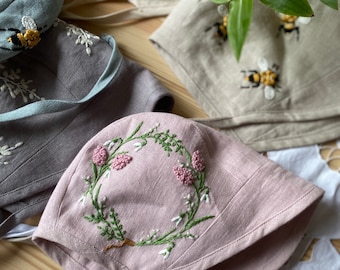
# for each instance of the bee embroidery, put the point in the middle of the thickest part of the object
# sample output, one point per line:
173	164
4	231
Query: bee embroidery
289	24
26	40
221	27
266	78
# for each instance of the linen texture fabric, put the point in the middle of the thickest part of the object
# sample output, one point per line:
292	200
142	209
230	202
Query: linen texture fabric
22	24
158	191
305	107
53	80
141	9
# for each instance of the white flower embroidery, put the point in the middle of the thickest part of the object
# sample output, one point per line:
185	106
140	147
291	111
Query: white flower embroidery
205	197
177	219
84	37
110	144
11	81
82	200
187	173
165	252
138	146
107	173
6	150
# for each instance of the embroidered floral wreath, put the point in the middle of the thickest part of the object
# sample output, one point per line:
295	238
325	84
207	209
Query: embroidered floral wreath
110	157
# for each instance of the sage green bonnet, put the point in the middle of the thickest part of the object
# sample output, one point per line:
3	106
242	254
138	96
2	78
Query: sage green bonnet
22	24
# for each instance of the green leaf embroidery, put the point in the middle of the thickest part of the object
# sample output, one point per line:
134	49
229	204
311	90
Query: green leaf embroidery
110	225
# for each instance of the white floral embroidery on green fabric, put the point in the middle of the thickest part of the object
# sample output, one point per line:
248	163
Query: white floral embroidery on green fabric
12	82
6	150
191	173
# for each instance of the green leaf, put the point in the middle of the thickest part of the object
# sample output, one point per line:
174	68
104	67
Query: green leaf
197	221
220	2
331	3
240	12
135	131
95	171
291	7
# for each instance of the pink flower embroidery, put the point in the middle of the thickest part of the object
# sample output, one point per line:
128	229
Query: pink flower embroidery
120	161
99	156
197	161
183	175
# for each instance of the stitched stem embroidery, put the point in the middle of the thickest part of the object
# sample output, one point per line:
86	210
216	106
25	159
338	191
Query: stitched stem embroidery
191	173
11	81
84	37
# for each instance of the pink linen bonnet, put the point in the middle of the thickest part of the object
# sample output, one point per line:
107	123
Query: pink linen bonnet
158	191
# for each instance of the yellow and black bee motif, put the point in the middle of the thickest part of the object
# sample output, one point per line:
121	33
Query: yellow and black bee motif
289	24
222	26
221	29
267	78
27	39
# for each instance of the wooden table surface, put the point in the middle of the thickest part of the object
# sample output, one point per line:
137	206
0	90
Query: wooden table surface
133	42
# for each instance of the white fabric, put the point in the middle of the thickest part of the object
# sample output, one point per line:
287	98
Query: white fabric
307	163
325	256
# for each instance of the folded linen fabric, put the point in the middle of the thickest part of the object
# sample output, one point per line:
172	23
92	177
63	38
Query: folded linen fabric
54	98
300	108
22	24
142	9
158	191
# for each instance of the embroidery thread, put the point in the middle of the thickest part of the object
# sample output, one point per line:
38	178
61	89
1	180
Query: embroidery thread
267	78
221	27
24	40
191	173
289	24
6	150
11	81
84	37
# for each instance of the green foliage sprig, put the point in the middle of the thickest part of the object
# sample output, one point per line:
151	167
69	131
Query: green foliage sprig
240	14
